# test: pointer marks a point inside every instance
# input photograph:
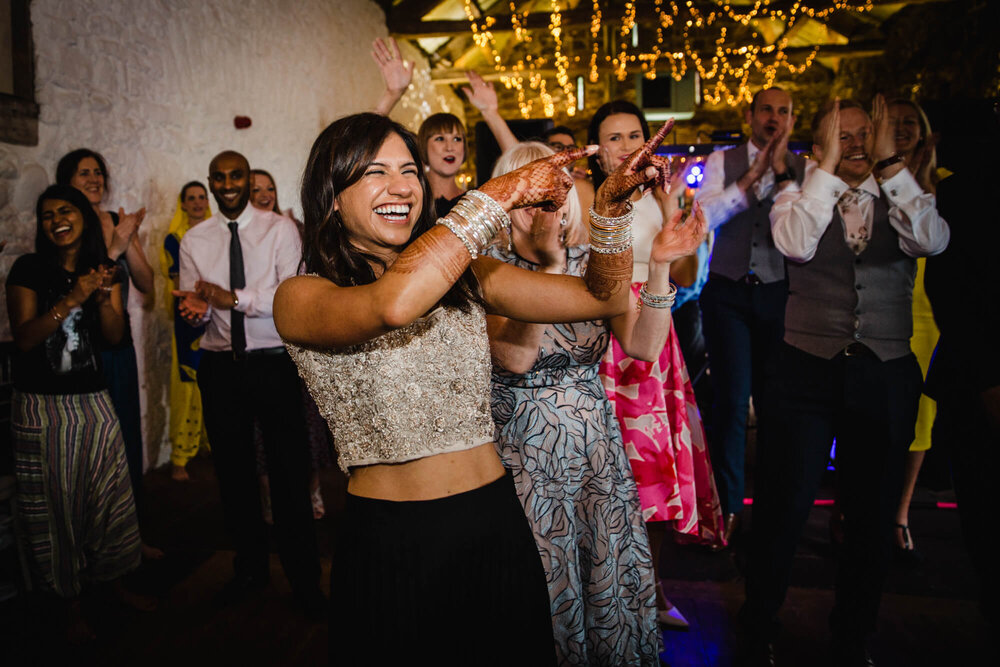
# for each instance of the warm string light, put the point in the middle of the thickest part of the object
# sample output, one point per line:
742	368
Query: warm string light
726	71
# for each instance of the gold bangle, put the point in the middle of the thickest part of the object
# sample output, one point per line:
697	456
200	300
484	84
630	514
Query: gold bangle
55	315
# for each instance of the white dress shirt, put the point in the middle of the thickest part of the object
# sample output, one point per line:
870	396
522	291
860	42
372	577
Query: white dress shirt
272	250
800	215
721	202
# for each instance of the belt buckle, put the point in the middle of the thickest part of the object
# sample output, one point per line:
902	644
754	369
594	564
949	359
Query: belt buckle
854	350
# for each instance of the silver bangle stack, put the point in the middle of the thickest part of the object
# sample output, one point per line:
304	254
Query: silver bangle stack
610	236
475	220
657	300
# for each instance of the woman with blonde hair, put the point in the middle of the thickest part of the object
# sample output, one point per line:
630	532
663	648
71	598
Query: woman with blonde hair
557	434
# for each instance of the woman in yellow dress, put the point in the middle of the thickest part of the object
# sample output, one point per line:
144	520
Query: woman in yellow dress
187	430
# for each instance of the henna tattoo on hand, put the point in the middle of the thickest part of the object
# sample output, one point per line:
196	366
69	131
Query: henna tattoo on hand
630	174
544	183
438	247
607	274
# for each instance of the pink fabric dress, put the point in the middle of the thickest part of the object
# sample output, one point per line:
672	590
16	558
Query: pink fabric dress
662	432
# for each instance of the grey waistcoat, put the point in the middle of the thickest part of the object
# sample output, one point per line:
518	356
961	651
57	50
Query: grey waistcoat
743	243
838	298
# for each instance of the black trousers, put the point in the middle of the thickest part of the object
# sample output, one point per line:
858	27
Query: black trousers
744	324
234	393
870	407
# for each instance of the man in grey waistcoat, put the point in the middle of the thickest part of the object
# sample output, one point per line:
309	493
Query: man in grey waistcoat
844	370
743	302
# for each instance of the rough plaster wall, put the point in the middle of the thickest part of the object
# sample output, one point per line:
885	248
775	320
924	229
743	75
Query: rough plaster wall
154	85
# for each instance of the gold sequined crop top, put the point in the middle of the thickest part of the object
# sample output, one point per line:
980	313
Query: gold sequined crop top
414	392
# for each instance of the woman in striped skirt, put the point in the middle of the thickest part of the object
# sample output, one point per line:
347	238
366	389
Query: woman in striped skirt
74	498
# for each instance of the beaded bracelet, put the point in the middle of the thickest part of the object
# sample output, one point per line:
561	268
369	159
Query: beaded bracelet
475	220
611	235
657	300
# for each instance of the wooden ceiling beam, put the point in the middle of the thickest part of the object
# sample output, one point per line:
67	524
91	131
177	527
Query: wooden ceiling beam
407	26
454	76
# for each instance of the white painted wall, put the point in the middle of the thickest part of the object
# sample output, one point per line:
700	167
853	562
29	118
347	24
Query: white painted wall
154	85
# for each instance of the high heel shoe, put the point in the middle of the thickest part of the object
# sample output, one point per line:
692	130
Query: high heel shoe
906	553
672	618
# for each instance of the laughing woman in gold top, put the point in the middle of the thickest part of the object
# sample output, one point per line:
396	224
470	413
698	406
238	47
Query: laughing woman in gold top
390	337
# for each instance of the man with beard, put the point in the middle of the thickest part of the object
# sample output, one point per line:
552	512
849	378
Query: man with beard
844	370
230	267
743	302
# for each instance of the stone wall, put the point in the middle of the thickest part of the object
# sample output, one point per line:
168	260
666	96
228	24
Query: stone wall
154	86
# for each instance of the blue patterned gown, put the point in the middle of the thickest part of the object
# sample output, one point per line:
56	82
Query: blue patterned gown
557	432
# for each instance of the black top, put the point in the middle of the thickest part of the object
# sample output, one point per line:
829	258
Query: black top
68	362
125	277
442	205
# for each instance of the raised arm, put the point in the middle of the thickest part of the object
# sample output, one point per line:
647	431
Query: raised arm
483	96
315	311
642	329
396	73
604	290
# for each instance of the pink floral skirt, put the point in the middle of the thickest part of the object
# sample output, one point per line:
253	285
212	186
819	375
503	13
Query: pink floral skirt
664	440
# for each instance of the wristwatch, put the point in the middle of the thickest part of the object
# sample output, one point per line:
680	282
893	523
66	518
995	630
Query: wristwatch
888	162
787	176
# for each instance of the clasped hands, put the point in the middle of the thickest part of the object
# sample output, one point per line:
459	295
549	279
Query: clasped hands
193	305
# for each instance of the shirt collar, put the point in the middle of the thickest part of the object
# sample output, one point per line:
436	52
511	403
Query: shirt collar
242	220
870	185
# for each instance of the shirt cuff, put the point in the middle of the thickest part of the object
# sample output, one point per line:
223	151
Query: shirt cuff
824	187
902	187
244	297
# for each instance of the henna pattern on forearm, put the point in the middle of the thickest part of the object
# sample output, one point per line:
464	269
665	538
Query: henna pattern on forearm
607	274
543	182
439	247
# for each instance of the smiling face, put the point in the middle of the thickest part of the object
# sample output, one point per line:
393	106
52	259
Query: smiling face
621	134
89	179
446	152
769	113
229	180
195	203
908	132
262	192
62	223
857	139
380	209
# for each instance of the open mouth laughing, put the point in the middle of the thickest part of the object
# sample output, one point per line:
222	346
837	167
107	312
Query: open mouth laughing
394	213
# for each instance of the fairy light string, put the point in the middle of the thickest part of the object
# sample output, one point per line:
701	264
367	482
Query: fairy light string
688	36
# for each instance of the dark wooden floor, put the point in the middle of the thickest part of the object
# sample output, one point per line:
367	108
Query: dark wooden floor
929	616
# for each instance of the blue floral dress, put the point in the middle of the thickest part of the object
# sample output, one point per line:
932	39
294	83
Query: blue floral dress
557	433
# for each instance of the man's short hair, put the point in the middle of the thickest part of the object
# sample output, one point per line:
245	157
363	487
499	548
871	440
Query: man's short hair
558	129
753	100
846	103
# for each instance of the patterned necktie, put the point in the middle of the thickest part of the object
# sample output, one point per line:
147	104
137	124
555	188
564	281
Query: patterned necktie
237	280
856	228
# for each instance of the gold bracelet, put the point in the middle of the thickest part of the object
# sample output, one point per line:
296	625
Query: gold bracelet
55	314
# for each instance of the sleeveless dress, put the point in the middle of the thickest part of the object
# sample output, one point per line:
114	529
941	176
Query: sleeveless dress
655	405
557	433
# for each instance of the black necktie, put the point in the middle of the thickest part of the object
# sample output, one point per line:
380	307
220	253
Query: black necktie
237	280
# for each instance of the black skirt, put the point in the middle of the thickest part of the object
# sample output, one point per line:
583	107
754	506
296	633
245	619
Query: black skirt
450	581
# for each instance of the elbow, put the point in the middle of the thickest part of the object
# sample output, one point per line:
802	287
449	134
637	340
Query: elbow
397	313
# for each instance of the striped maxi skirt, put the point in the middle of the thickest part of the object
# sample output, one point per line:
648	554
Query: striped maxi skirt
74	498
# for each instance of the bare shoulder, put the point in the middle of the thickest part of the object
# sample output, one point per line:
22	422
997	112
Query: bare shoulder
295	299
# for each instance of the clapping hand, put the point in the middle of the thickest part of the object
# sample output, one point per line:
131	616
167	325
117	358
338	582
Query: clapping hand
190	306
830	140
779	145
678	239
885	132
641	168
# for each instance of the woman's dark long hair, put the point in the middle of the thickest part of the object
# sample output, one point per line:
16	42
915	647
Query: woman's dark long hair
92	251
66	168
594	130
338	159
